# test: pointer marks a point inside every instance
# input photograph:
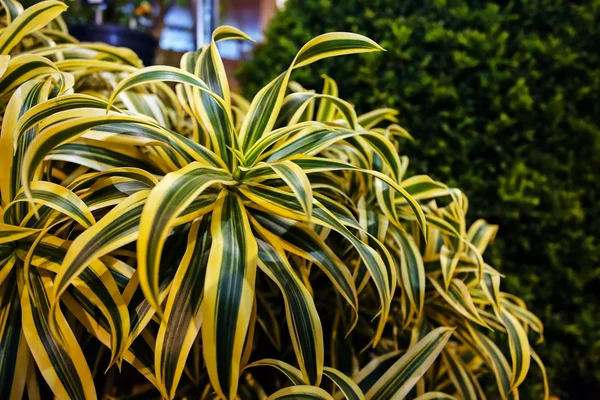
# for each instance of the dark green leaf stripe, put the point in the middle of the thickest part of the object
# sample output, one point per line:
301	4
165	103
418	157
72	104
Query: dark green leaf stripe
519	345
14	32
97	157
12	8
140	310
376	369
18	73
184	307
262	114
105	52
141	175
273	137
215	114
459	375
303	242
497	363
295	178
111	195
59	356
384	148
32	97
524	315
292	373
120	223
458	292
301	314
350	43
296	102
301	392
167	201
228	33
61	204
372	118
413	364
326	110
11	233
412	268
385	198
309	144
7	261
293	103
418	188
10	332
229	287
62	103
52	252
350	389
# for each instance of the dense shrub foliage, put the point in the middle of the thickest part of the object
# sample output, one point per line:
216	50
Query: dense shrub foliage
503	100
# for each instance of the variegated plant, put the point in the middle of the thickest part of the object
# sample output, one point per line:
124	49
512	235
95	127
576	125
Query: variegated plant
179	228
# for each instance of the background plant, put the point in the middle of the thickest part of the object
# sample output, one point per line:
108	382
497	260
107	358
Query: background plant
502	100
136	219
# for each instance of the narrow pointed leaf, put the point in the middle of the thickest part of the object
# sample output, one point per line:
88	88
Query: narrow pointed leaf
182	319
175	192
228	293
401	377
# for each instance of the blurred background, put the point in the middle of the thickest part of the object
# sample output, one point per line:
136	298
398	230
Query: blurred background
502	97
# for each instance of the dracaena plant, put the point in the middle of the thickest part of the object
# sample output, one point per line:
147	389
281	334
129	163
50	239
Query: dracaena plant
178	227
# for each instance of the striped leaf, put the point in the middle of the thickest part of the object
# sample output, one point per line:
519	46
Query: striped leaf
402	376
315	164
30	20
301	392
372	118
481	233
496	362
347	386
95	283
448	262
299	239
326	111
14	357
62	132
60	199
459	375
520	353
12	9
8	260
11	233
182	318
294	106
297	180
412	270
116	229
175	192
267	103
59	359
217	120
291	372
228	293
13	145
301	314
460	299
280	203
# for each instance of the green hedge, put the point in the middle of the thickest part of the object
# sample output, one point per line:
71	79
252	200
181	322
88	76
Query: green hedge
504	100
